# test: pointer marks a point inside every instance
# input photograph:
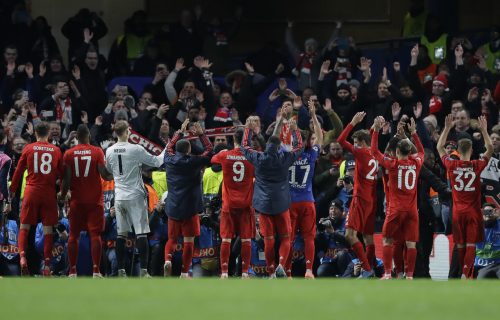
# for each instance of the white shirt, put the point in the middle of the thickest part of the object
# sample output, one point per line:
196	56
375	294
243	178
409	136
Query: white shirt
124	160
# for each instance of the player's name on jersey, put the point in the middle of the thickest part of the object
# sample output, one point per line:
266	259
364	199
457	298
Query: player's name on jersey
467	169
82	152
43	148
233	157
120	150
301	162
407	167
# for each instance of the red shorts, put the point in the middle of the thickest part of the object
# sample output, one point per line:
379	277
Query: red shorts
467	227
37	207
401	225
186	228
271	224
361	215
86	217
237	221
303	218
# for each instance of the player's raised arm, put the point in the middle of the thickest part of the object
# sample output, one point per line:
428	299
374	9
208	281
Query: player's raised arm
358	117
207	145
170	148
412	127
384	161
448	124
317	127
297	147
483	127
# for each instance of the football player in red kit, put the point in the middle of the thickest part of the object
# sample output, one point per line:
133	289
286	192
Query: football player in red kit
237	216
464	175
361	216
83	168
43	161
402	218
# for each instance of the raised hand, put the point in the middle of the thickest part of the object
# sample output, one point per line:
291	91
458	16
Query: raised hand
417	110
76	72
473	94
297	102
42	69
358	117
250	68
312	108
328	105
401	130
293	124
378	122
206	64
87	35
396	110
185	125
279	69
274	95
365	64
179	64
282	85
325	67
29	70
162	110
396	66
412	126
483	124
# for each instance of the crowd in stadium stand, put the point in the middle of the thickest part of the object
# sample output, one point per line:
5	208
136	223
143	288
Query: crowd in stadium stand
190	75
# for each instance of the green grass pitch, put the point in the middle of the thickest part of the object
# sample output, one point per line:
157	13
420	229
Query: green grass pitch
250	299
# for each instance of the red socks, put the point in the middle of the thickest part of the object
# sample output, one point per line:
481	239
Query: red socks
269	253
360	253
411	256
22	239
387	258
284	250
309	252
72	251
370	254
398	255
187	256
468	266
246	253
48	244
225	249
169	249
96	249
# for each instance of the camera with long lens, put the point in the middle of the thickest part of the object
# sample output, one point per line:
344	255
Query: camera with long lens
212	209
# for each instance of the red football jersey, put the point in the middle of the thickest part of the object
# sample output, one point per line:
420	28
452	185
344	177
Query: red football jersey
366	169
238	176
83	160
43	161
465	183
403	175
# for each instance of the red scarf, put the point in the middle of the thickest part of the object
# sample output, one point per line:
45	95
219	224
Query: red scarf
60	109
305	63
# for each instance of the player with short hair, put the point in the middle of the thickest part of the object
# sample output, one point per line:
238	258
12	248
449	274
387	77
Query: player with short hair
271	198
124	160
184	200
464	175
237	216
83	167
302	210
402	217
363	207
44	164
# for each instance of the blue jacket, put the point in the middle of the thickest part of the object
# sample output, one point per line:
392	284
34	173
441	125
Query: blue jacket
184	198
271	193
